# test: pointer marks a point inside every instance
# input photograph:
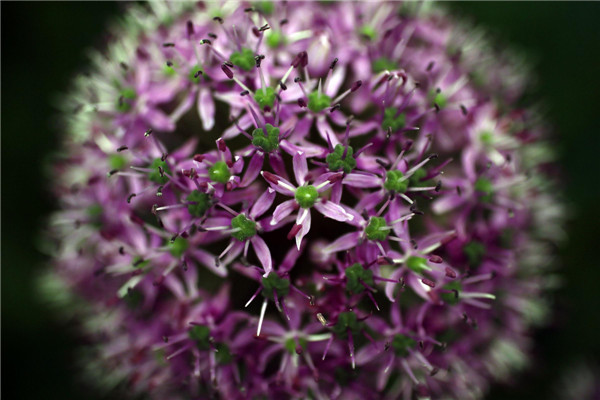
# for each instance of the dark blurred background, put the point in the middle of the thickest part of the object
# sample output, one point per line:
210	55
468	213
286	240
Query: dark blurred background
43	47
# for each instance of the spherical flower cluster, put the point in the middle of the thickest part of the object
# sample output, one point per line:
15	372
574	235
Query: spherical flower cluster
301	200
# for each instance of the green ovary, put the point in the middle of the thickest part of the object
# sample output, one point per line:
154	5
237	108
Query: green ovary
394	182
354	275
392	121
246	228
178	247
126	97
383	64
267	143
417	264
306	196
274	284
374	229
244	59
155	175
317	102
219	172
265	97
336	160
202	203
401	344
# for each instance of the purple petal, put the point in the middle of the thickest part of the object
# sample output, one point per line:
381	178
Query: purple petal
283	210
279	184
300	168
345	242
370	201
208	260
305	226
336	192
362	180
263	253
333	211
446	203
206	109
364	128
159	120
323	127
263	203
390	286
290	259
276	162
254	167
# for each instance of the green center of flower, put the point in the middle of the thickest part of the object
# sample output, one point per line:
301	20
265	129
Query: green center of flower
266	7
219	172
317	102
306	196
401	344
116	161
201	335
139	263
450	292
475	251
265	98
346	321
354	275
417	264
169	69
244	59
223	354
274	284
94	213
274	39
487	138
337	161
394	182
269	142
155	175
393	121
438	98
126	97
246	228
383	64
374	229
201	203
291	346
485	188
178	246
415	178
368	32
195	74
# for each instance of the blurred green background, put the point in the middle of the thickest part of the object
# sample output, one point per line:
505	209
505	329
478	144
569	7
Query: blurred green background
43	47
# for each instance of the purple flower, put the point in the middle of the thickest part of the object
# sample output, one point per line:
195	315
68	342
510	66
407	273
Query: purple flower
418	274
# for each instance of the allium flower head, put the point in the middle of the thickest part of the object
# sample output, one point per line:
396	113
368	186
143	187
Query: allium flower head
301	200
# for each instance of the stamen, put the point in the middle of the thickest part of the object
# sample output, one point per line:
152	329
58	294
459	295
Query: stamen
405	197
190	29
327	345
323	321
263	309
371	297
411	171
428	282
435	259
351	348
330	73
276	299
353	88
294	231
227	71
